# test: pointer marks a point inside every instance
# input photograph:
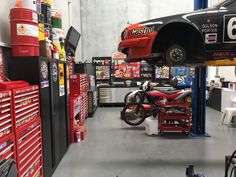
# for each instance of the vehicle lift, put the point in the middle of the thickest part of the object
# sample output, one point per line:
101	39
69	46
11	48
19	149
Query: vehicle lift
199	100
199	85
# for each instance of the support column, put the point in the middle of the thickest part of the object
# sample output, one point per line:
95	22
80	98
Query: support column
199	89
199	101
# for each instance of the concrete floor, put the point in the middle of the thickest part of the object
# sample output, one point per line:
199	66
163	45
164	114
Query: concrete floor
113	149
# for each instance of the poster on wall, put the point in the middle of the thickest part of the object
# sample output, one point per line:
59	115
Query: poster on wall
162	72
102	72
127	71
182	75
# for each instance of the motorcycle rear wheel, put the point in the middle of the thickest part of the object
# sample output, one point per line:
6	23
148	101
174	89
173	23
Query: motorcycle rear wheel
133	114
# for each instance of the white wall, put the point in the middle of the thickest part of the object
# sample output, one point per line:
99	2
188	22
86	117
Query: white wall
161	8
214	2
76	22
104	20
224	71
5	38
62	5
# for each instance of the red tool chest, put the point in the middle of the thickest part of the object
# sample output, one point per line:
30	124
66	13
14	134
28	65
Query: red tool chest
29	149
75	101
78	84
84	107
7	147
175	117
25	105
6	118
78	102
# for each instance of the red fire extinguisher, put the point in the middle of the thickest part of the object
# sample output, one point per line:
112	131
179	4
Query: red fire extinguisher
77	136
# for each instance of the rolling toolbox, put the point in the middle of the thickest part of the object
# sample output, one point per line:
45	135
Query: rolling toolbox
6	118
29	149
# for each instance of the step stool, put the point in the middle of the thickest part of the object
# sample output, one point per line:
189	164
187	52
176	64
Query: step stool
227	117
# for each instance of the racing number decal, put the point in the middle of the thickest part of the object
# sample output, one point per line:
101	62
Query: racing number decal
230	28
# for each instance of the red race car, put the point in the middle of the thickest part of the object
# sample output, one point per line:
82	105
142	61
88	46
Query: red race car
207	34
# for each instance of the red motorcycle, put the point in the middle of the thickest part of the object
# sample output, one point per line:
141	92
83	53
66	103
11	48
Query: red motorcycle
148	102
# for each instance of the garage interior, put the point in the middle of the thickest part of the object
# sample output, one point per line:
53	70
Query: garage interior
88	89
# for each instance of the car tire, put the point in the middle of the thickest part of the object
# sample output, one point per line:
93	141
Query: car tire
175	54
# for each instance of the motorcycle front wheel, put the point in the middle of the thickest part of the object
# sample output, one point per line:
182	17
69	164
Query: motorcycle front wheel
133	114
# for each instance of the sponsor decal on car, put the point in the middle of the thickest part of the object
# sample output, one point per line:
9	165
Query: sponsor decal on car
211	38
210	28
224	54
142	31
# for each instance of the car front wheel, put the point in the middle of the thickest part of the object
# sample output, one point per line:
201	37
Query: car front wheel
175	54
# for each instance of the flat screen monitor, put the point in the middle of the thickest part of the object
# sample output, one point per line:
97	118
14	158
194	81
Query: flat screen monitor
72	40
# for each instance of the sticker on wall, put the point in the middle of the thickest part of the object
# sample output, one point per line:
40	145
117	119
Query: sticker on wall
61	80
44	75
54	72
210	38
27	30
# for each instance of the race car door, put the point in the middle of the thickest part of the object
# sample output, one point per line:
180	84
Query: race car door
228	33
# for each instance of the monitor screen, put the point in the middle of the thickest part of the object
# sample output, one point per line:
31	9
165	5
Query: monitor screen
72	40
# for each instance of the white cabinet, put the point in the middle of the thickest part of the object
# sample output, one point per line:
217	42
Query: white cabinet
114	94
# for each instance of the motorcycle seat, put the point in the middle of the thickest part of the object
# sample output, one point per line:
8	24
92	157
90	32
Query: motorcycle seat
169	92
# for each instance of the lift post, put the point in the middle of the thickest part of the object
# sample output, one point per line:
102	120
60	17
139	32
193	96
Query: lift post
199	89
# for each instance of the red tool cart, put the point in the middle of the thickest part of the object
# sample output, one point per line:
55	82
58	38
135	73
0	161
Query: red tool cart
84	107
175	117
78	105
29	149
75	102
25	105
7	147
78	84
6	118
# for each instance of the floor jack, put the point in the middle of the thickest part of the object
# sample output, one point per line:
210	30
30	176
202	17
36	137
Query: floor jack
190	172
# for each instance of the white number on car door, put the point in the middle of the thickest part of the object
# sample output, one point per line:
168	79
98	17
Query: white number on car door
230	28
